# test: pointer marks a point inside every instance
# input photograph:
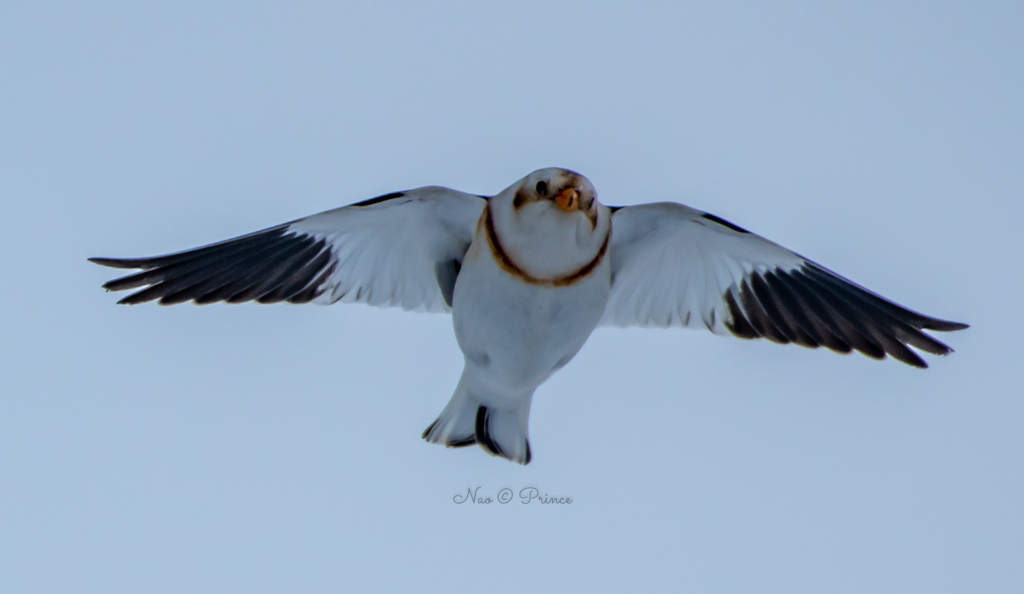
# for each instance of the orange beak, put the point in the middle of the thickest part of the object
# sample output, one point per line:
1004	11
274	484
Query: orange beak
568	200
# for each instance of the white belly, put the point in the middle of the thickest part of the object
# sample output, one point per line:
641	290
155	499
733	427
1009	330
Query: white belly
515	335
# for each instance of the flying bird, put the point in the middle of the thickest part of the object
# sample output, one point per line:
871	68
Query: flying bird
527	275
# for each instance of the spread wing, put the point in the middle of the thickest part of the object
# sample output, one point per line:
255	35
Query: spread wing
676	266
403	249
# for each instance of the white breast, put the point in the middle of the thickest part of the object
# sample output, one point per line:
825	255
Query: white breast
517	333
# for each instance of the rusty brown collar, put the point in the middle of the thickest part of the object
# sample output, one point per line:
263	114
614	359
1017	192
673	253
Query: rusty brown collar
506	263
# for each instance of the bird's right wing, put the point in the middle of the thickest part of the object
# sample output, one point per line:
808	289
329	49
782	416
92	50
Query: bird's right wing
403	249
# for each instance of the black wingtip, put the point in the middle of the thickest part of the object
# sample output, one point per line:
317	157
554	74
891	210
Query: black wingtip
132	299
944	326
116	262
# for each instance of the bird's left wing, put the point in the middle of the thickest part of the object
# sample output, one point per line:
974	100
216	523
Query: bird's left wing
676	266
403	249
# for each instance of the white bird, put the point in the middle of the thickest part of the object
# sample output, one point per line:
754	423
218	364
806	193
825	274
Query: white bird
528	274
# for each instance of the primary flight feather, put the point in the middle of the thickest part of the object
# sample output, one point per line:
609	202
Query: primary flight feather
527	275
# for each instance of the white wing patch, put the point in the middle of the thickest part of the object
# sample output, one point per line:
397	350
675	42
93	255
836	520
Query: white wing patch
671	266
387	253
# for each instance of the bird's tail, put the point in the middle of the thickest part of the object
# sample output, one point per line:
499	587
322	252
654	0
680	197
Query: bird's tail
467	421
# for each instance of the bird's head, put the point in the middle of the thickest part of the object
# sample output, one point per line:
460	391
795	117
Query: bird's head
550	222
556	187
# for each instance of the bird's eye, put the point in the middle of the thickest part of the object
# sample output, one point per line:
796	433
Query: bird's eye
542	188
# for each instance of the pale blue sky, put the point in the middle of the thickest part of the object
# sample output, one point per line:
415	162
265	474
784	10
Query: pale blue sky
277	449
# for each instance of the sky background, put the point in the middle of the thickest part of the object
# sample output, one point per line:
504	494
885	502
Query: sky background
277	448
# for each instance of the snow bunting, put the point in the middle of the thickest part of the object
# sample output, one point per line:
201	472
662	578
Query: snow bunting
527	275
